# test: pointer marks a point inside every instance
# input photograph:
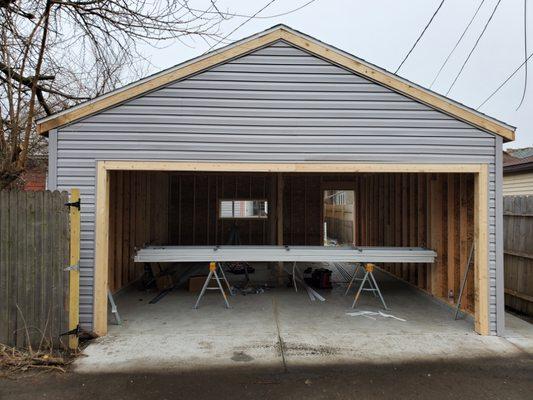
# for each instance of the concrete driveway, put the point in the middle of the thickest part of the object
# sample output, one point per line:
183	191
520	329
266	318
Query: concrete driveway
280	329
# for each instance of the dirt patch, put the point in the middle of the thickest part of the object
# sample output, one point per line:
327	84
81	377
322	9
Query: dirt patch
241	356
302	349
205	345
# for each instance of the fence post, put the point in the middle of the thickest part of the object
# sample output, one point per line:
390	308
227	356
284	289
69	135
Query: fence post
74	272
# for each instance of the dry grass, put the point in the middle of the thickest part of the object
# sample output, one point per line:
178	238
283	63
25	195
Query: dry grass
14	361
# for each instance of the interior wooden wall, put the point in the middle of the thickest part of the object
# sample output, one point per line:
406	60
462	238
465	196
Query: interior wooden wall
193	208
138	215
302	209
427	210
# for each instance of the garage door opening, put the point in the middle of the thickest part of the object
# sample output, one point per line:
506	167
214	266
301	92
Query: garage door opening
389	210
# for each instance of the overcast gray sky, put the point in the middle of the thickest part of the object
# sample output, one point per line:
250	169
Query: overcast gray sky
383	31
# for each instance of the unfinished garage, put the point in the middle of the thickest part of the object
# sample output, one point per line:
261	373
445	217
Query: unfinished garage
280	155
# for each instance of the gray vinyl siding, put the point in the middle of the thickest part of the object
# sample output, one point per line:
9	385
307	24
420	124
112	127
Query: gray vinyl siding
277	104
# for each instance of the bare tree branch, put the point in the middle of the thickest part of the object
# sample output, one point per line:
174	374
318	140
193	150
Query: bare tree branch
56	53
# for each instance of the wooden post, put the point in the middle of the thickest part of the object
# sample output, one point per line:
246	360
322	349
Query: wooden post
101	250
279	223
74	273
451	240
436	236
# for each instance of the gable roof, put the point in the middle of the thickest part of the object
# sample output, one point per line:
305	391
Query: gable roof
265	38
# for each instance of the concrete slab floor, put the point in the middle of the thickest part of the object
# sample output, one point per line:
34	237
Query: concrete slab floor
519	332
281	329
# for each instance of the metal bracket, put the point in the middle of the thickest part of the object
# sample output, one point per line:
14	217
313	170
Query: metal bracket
75	267
76	331
76	204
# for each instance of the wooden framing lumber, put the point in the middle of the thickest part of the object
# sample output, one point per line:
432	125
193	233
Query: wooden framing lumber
279	220
124	165
101	250
74	274
297	39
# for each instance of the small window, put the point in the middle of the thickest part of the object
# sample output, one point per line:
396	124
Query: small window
243	209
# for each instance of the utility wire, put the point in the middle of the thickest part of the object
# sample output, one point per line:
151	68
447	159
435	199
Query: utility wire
505	81
525	56
241	25
420	36
457	44
230	14
474	48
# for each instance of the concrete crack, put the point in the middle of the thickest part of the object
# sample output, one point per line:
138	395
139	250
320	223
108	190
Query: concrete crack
280	340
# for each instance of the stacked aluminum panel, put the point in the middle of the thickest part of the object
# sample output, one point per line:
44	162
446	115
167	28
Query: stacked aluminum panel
284	253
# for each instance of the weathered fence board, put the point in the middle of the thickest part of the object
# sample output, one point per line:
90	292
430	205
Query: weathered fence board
518	250
340	222
34	250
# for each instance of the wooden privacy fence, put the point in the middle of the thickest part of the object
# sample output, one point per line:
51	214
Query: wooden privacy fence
340	222
518	250
34	278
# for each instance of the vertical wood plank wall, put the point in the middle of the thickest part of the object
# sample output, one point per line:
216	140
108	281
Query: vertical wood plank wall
429	210
138	215
193	208
302	209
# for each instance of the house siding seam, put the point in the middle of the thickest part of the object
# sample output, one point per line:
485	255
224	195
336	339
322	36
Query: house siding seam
277	104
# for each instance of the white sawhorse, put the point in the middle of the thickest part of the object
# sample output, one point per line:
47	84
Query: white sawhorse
373	286
213	274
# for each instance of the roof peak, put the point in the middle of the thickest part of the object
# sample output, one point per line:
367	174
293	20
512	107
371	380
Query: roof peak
300	40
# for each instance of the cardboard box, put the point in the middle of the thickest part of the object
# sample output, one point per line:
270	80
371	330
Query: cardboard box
196	282
163	278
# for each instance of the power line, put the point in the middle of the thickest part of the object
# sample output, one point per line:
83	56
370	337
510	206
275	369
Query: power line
505	81
474	48
420	36
241	25
525	56
230	14
457	44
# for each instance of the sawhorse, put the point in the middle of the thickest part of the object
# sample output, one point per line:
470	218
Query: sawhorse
374	288
213	266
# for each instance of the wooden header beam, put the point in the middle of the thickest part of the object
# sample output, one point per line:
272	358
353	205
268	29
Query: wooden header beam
297	39
287	167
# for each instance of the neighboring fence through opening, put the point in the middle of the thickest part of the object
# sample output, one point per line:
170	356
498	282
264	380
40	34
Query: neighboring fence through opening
518	250
34	252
